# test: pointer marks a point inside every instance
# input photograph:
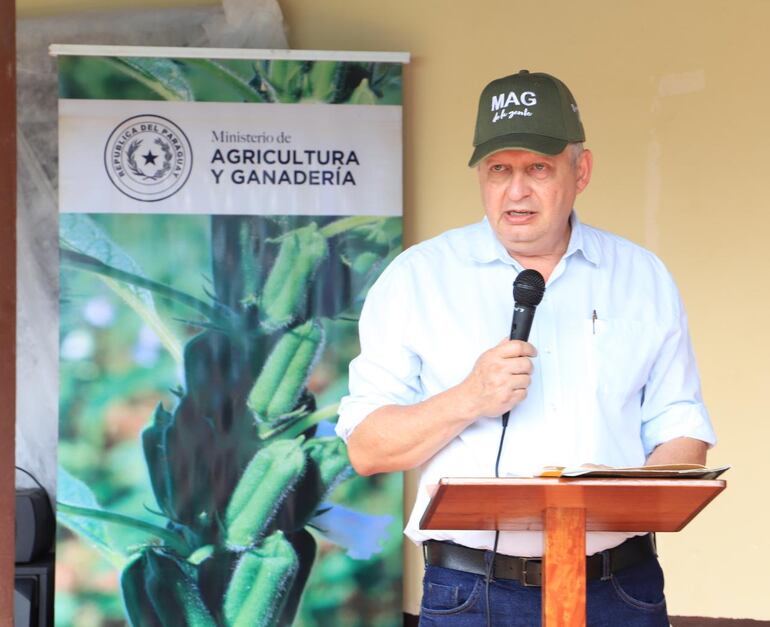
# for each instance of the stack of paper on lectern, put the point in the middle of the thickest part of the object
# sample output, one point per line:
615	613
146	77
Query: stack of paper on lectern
670	471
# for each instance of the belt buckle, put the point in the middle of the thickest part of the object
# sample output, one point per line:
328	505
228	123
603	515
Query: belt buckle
525	572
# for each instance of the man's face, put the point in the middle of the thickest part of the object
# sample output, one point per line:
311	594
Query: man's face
528	198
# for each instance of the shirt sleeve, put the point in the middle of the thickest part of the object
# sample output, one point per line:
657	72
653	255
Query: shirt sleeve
672	405
387	371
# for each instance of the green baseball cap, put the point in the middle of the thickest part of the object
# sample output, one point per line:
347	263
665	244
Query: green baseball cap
527	111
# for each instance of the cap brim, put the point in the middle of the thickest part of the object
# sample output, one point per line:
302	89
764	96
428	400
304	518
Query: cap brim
518	141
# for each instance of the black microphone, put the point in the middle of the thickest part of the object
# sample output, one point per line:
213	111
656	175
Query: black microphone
528	290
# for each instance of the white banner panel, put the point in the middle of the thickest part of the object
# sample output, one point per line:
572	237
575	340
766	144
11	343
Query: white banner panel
230	158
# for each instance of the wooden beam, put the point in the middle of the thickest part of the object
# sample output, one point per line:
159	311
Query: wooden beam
7	304
564	567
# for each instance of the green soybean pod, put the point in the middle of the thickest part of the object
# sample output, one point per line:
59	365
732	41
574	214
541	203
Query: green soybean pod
286	370
139	608
322	80
301	252
155	454
331	456
286	77
342	73
278	73
264	485
172	586
171	594
260	583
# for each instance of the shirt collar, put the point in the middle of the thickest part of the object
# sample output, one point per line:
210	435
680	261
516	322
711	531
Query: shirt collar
484	247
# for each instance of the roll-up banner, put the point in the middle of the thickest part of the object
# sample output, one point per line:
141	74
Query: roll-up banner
222	216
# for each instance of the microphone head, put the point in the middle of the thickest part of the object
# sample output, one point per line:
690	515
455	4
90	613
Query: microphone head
528	288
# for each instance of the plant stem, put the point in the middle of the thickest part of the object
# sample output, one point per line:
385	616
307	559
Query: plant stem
85	262
148	314
293	429
170	538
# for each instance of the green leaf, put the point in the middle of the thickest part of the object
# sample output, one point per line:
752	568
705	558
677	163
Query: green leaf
363	94
217	72
160	75
80	233
170	538
78	510
73	491
386	82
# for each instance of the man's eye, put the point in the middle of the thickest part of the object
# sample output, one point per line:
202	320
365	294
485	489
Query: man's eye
498	167
539	167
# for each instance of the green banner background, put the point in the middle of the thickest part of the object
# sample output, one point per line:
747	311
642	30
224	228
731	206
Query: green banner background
202	360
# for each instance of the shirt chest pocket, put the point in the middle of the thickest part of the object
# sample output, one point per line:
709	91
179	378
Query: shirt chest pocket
618	357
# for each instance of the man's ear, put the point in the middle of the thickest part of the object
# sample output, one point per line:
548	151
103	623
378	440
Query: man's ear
584	168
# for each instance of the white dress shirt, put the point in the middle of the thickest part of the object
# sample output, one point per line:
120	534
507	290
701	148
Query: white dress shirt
603	391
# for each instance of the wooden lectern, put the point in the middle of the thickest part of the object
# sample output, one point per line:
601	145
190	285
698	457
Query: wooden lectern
565	509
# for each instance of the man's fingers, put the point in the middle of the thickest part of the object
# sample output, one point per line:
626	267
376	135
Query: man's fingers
518	365
520	381
515	348
511	366
505	385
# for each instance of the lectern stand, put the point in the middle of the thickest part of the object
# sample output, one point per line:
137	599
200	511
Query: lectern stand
565	509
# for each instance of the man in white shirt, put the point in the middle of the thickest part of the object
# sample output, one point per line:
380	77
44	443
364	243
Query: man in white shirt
607	377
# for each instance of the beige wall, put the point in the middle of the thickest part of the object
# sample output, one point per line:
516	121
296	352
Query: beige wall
673	96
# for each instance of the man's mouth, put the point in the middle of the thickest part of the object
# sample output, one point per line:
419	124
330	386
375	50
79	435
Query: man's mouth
517	212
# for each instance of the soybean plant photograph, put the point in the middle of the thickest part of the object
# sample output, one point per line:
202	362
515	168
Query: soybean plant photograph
202	361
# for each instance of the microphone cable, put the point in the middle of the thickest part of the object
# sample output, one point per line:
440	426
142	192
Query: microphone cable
528	290
491	565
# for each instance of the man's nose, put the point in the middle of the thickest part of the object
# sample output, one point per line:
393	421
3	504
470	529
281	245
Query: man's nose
518	186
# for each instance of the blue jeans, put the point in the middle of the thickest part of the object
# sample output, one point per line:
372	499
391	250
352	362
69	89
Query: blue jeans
632	597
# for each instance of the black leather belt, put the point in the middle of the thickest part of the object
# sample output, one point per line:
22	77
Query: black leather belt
529	570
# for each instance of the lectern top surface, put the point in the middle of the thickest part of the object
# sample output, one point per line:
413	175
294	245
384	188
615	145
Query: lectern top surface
515	504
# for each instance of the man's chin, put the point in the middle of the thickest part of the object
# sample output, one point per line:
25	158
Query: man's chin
518	234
